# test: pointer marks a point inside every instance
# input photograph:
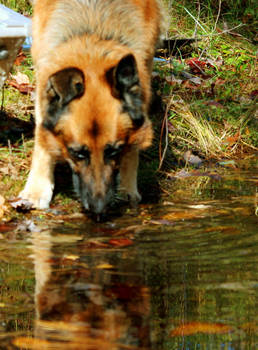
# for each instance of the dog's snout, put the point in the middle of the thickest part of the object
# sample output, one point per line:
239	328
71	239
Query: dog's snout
97	205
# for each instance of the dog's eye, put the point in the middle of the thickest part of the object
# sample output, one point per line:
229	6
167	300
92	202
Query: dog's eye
79	154
112	152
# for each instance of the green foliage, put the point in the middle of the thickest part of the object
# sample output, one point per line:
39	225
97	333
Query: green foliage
22	6
225	93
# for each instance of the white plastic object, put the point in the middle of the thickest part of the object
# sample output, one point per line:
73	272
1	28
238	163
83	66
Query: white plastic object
14	30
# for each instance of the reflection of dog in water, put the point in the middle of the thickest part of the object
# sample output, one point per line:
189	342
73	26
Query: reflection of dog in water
85	306
93	61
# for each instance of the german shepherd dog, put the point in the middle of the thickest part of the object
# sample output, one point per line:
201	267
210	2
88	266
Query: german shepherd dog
93	61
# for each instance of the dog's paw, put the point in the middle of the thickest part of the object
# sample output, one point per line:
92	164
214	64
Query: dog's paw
39	196
134	198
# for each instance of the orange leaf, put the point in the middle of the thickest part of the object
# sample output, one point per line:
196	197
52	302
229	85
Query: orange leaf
120	242
181	215
20	58
200	327
231	140
31	343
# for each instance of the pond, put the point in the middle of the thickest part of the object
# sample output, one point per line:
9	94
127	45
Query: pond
180	274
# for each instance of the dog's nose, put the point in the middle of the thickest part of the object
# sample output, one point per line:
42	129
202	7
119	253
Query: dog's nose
97	205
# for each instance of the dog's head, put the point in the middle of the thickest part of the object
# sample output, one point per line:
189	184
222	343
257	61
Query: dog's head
96	112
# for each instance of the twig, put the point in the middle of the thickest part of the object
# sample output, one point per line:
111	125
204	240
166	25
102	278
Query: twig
164	125
223	32
218	16
199	12
196	21
10	148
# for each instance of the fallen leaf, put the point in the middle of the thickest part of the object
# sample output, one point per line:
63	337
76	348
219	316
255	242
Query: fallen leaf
254	94
196	65
182	173
220	81
120	242
196	80
20	58
6	227
161	222
189	85
199	206
94	244
20	78
231	140
31	343
21	82
192	159
72	257
201	327
181	215
226	229
171	79
104	266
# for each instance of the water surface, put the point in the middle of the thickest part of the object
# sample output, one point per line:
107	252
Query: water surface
180	274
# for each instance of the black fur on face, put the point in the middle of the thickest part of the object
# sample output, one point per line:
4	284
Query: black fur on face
95	204
62	88
84	176
125	81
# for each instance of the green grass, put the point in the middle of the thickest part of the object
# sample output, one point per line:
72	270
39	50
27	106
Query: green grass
22	6
217	118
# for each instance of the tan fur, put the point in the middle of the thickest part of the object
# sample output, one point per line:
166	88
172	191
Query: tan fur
92	36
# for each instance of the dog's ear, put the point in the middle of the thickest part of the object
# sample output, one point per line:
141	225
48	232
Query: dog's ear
126	86
62	88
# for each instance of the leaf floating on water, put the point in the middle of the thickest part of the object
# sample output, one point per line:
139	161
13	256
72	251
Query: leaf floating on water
120	242
200	327
72	257
161	222
31	343
78	342
226	229
104	266
199	206
181	215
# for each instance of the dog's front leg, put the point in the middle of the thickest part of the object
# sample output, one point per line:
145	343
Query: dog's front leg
40	183
128	174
